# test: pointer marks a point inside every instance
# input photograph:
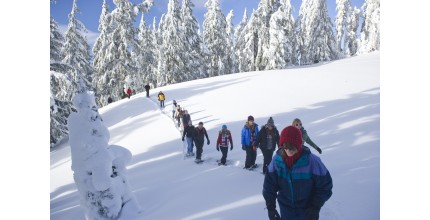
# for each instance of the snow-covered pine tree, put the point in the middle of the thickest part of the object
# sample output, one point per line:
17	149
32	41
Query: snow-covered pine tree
117	65
263	14
173	47
239	41
317	41
215	39
229	66
101	79
343	17
76	51
370	31
248	52
193	57
98	168
352	43
145	55
61	87
282	46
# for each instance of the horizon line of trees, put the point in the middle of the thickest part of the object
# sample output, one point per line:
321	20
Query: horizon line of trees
177	50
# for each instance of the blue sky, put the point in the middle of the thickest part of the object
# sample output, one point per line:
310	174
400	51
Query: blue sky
91	9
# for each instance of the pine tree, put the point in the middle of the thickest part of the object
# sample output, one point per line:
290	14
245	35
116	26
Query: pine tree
370	33
76	51
317	42
98	169
239	41
145	57
343	17
193	57
281	51
60	104
215	39
101	78
352	43
248	52
229	66
263	14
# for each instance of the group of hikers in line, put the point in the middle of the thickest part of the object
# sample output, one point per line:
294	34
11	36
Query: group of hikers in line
294	176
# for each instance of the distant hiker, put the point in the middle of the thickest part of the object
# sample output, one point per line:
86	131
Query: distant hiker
224	137
129	92
189	132
124	93
199	140
161	98
178	115
249	136
297	179
147	87
110	100
186	118
267	139
298	123
174	106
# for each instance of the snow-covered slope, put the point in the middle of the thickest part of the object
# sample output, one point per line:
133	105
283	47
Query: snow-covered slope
338	103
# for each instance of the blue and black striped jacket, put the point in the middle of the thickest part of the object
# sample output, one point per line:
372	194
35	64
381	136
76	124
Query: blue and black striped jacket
307	185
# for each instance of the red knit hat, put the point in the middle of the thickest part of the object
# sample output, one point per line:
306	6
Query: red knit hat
291	135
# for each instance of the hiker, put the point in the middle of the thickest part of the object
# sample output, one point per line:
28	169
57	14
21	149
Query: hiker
129	92
199	139
189	132
298	124
161	98
147	87
224	136
267	140
109	100
174	106
249	136
178	114
186	118
297	179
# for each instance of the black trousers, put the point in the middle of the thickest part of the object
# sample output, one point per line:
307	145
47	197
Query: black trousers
251	156
224	151
199	149
147	93
267	154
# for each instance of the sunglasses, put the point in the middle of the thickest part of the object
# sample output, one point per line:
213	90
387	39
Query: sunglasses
298	124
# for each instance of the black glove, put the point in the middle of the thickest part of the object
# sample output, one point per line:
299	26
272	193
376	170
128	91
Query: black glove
319	150
243	147
217	148
209	142
272	212
312	213
231	148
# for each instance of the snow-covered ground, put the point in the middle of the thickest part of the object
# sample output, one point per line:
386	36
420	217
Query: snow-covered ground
338	103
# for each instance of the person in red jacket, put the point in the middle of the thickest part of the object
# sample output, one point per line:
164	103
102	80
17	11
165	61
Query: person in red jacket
129	92
224	137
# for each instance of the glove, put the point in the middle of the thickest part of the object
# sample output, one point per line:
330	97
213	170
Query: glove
217	148
272	212
182	138
209	142
231	148
312	213
319	150
243	147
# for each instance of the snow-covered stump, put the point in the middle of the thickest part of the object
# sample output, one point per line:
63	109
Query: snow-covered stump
99	168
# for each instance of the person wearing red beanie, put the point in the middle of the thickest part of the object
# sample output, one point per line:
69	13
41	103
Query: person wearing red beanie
297	179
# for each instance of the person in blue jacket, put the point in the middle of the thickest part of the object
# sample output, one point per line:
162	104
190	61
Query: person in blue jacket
297	179
249	138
